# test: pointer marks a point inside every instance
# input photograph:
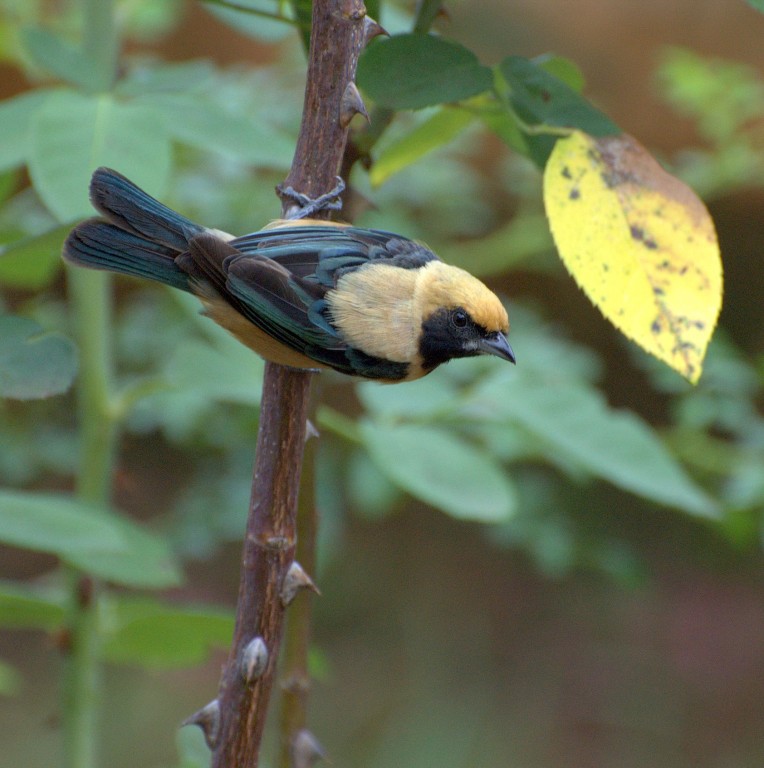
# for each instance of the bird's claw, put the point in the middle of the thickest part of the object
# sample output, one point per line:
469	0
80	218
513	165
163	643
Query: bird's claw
307	206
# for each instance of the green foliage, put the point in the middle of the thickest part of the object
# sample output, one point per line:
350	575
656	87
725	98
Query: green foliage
535	92
31	607
523	101
58	57
534	454
725	100
91	538
415	71
73	133
439	129
432	465
33	363
32	262
145	632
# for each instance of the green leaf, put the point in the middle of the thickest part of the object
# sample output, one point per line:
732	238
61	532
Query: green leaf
303	14
520	243
25	606
543	99
227	373
150	634
166	78
59	58
148	21
414	71
193	751
72	134
92	538
15	118
426	13
424	398
757	4
614	445
56	524
252	18
563	69
369	490
145	559
33	363
10	680
447	473
540	98
33	262
202	124
444	126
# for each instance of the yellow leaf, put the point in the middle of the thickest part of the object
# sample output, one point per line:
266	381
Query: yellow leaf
639	243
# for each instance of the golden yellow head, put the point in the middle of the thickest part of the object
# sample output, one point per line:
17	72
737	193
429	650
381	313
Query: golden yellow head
441	286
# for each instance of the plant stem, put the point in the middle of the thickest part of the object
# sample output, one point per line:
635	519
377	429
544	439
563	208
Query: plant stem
90	298
81	679
296	684
100	40
336	41
90	294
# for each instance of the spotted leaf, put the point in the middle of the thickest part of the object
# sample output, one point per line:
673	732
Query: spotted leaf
640	244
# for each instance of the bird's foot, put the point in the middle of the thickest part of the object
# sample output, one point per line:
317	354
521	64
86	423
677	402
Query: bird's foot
305	207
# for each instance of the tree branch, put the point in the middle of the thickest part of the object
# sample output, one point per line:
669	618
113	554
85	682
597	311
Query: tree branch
233	723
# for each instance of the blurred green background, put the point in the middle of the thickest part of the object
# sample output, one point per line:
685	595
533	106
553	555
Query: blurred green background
589	591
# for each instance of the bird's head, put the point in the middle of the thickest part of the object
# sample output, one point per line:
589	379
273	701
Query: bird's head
460	317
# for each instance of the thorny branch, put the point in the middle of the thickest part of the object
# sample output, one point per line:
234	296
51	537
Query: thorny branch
233	723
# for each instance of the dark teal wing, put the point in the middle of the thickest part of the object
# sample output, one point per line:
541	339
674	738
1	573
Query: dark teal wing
323	253
287	307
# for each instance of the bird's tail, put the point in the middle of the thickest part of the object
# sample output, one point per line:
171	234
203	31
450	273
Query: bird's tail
141	237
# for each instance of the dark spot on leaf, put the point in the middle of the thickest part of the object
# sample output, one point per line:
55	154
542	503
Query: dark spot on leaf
656	326
641	236
566	174
545	96
700	325
575	193
605	267
658	291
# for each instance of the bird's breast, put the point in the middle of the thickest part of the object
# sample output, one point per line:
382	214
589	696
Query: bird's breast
373	310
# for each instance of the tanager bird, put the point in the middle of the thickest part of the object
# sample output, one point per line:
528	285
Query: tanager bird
304	293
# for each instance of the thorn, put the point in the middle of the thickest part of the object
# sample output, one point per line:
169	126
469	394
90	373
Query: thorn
310	430
351	105
208	719
298	684
254	660
295	580
306	750
372	29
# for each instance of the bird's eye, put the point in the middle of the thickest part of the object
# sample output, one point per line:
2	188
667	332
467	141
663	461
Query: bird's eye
459	318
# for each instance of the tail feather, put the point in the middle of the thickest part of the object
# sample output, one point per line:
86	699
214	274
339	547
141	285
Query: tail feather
100	245
132	209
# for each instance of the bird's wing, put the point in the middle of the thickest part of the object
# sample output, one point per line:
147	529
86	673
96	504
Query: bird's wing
267	294
322	253
278	283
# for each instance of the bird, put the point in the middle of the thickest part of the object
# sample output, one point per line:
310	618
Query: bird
304	293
